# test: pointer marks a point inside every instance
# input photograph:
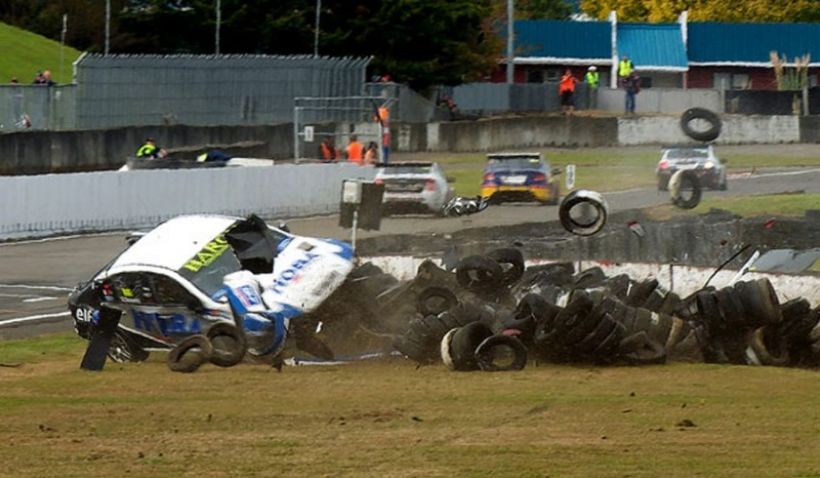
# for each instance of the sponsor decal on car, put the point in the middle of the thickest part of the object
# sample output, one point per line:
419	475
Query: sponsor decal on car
208	254
291	274
166	324
248	296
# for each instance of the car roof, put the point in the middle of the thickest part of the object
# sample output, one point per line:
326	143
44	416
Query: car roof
503	156
171	244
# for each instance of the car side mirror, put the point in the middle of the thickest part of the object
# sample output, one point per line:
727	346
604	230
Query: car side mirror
555	171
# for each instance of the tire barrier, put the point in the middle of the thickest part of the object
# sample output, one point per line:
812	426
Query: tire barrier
583	227
228	343
692	114
565	317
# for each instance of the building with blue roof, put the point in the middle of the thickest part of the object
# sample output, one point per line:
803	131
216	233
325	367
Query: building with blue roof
672	55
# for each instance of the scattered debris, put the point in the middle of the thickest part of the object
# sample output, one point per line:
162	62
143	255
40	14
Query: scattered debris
704	115
583	212
464	206
685	423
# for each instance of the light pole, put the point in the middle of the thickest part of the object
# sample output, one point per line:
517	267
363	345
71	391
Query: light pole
107	25
510	17
218	25
316	33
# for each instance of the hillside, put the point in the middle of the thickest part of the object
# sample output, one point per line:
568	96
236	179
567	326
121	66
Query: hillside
24	53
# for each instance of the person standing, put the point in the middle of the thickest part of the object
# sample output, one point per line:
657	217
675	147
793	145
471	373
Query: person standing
625	68
632	84
566	89
355	151
592	79
328	151
371	154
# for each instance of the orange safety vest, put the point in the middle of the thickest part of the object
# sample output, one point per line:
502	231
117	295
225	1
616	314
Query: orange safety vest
567	84
354	152
328	152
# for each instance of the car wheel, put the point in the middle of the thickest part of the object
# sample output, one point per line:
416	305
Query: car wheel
496	347
229	345
511	261
479	272
189	354
124	349
435	300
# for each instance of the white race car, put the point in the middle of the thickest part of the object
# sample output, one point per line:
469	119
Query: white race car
194	272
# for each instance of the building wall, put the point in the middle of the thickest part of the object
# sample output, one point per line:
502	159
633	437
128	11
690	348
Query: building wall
760	78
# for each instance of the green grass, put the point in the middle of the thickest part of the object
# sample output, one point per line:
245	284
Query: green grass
746	161
25	53
748	206
394	419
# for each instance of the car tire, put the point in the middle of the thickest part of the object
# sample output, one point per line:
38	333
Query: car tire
232	355
124	349
579	196
511	261
464	344
711	117
479	273
686	177
425	298
188	355
639	293
486	351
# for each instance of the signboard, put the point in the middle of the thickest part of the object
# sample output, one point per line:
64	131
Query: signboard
570	176
308	134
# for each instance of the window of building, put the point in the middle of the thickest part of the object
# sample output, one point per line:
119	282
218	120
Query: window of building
553	74
732	81
535	76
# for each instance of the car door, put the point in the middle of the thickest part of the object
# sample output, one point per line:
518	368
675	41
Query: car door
156	305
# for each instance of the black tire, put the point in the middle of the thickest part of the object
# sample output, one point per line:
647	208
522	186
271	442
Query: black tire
640	292
708	310
759	302
486	353
711	117
593	339
795	309
688	181
589	277
607	349
769	348
233	353
437	328
479	273
464	343
190	354
730	306
577	197
511	261
618	286
425	304
411	349
365	270
572	319
123	349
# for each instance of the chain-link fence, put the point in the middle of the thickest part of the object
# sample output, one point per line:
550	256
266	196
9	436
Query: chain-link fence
125	90
25	107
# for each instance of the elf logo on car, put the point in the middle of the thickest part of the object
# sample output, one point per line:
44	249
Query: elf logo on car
167	324
83	314
292	272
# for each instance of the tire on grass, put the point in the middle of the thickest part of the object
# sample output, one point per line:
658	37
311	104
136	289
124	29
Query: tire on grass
487	352
188	355
234	352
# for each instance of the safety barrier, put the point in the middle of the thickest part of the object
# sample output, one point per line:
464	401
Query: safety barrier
80	202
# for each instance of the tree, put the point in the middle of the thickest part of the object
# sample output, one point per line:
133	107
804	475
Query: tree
706	10
542	9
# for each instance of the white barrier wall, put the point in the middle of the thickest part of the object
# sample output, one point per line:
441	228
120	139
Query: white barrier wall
59	203
736	130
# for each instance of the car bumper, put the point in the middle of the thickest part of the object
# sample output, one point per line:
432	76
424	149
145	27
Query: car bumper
518	193
411	202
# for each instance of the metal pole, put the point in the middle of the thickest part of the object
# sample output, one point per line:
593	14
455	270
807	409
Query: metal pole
316	33
510	40
218	26
107	25
62	45
355	226
296	134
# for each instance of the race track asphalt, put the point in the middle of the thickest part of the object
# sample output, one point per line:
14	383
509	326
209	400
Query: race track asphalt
36	276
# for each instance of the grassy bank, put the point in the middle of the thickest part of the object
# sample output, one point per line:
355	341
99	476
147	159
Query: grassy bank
25	53
393	419
747	206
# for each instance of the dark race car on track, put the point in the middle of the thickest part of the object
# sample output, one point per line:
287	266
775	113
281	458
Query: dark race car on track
519	177
699	159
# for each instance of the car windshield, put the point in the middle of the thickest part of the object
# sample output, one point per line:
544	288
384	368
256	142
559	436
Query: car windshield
514	163
687	154
395	170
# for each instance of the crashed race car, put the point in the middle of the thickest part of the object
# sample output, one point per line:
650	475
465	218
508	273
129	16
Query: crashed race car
195	281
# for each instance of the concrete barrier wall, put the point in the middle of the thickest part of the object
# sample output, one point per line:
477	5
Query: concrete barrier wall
662	100
736	130
59	203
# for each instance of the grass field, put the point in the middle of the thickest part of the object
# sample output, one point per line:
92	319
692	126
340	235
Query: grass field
393	419
747	206
25	53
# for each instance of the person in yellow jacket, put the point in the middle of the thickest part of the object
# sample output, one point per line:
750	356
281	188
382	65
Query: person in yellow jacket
592	79
149	150
625	68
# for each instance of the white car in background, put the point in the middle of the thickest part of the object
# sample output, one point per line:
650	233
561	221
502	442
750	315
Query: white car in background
412	187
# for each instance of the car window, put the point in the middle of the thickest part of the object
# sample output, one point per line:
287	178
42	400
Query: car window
687	153
209	277
168	291
515	163
133	288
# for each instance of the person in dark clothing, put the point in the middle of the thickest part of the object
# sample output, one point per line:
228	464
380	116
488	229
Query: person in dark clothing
632	85
328	151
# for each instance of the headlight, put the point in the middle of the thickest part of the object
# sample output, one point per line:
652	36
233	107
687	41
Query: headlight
709	165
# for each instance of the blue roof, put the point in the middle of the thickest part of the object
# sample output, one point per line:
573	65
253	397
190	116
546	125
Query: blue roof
751	42
561	39
656	45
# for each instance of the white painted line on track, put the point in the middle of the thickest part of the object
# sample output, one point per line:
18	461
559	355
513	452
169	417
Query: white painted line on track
785	173
60	238
37	287
33	318
39	299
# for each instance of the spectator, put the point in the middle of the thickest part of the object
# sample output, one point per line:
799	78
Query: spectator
328	151
38	78
632	84
14	80
371	154
355	150
625	68
566	89
149	150
47	78
383	118
592	80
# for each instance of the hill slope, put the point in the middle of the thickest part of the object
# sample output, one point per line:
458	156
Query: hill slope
24	53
